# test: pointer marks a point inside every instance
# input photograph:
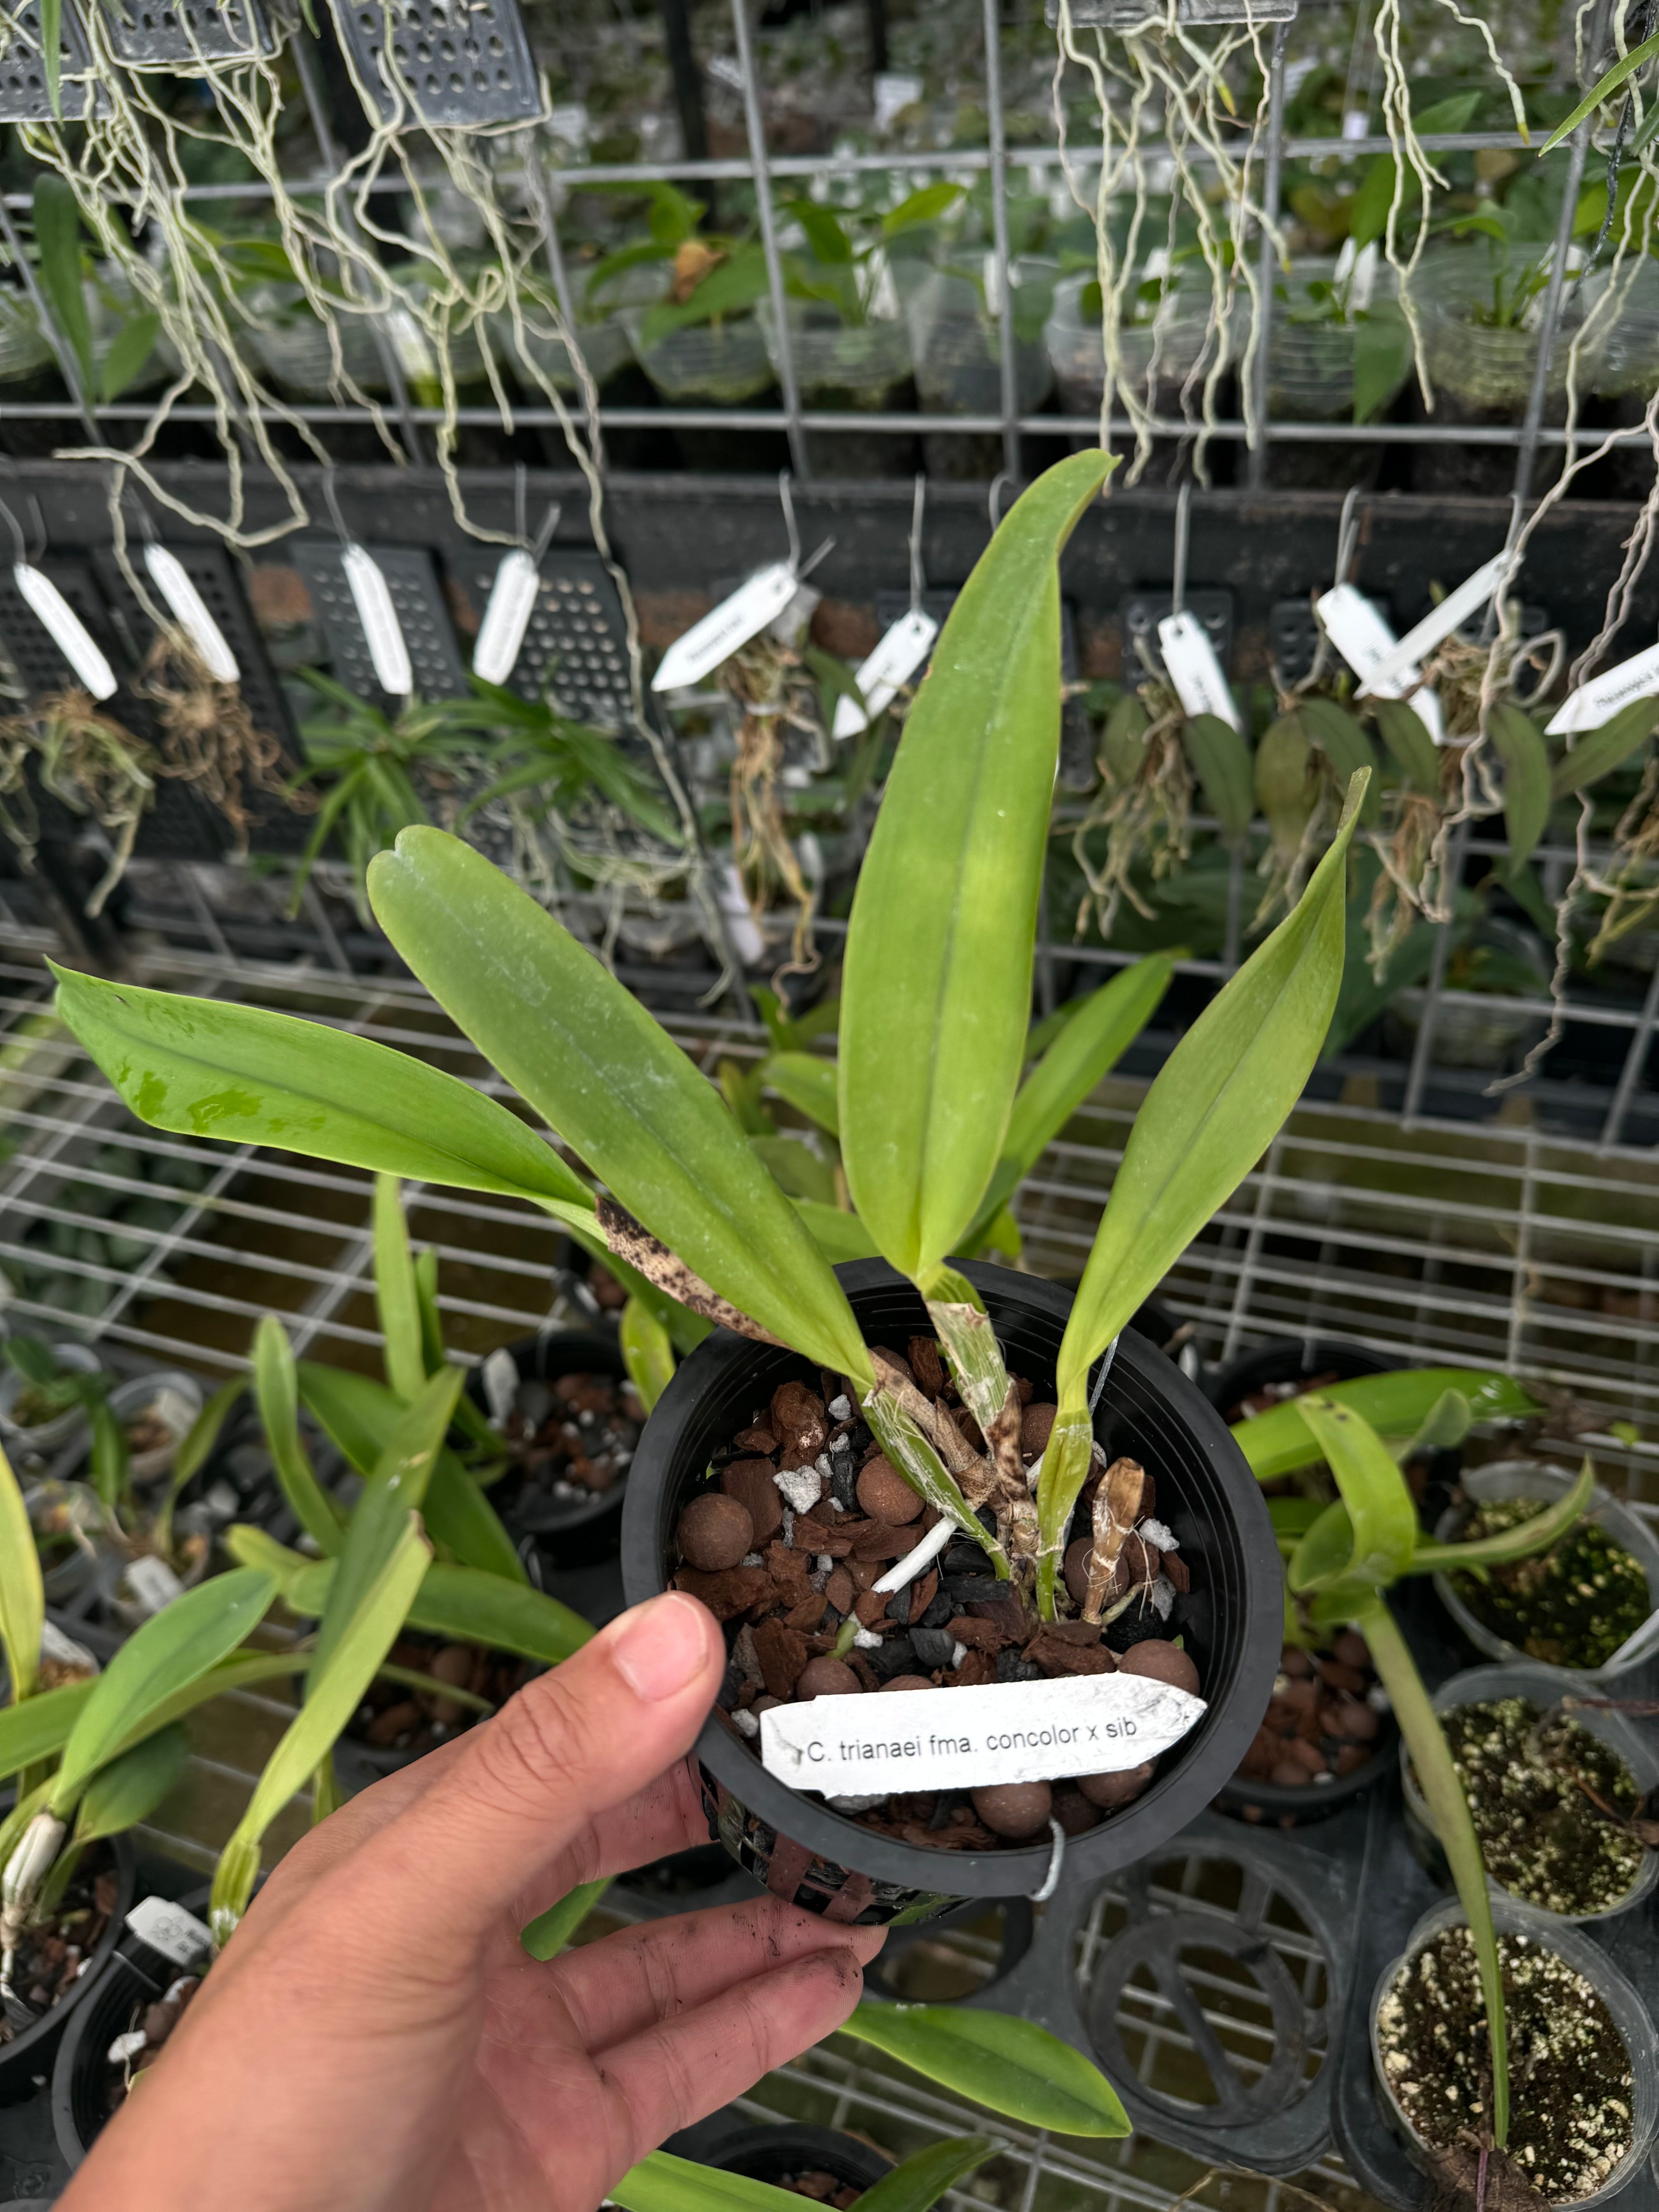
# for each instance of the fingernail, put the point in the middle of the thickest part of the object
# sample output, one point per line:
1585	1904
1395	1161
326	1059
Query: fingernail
662	1645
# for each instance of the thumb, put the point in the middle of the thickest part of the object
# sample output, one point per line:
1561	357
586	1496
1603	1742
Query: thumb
572	1744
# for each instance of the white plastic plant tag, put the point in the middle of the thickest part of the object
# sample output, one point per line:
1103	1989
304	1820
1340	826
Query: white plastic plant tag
153	1584
372	597
506	617
1365	642
894	91
1596	701
500	1376
66	629
64	1649
725	628
190	610
1189	659
1471	595
169	1928
970	1739
894	661
174	1410
748	939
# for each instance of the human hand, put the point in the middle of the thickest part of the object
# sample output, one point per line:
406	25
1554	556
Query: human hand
376	2036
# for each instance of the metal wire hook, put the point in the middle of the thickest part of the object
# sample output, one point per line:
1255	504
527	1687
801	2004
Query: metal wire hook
1347	534
1003	476
1056	1860
333	505
1182	532
918	579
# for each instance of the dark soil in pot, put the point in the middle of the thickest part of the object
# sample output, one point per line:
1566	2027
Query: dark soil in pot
1328	1736
1229	1620
1570	2114
396	1722
571	1432
1535	1782
830	2167
1257	1380
60	1960
1573	1606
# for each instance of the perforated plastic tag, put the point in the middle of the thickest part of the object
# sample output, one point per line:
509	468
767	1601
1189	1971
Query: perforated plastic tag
1472	594
169	1928
66	629
1366	643
894	661
506	618
372	597
968	1739
190	611
1188	656
725	628
153	1582
1596	701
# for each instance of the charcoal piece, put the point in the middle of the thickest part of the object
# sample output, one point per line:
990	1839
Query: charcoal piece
1013	1667
843	1480
933	1647
732	1684
938	1612
964	1557
1134	1626
974	1589
897	1655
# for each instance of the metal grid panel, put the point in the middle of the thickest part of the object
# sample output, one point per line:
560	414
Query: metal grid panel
172	35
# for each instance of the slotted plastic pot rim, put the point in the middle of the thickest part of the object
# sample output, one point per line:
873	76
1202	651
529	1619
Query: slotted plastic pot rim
714	1392
27	2053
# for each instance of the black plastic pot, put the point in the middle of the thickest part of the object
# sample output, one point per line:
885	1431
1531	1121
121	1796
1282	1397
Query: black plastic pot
777	2154
1232	1620
1273	1805
136	1976
585	1530
28	2058
1293	1359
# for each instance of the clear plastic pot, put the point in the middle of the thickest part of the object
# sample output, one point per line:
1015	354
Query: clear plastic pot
857	366
1166	348
290	343
1310	355
957	345
1621	314
38	1442
23	349
1546	1687
715	364
1630	2016
1531	1478
179	1398
1482	364
603	347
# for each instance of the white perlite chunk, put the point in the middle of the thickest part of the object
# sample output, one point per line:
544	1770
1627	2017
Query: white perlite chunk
841	1409
751	1560
825	1563
802	1485
1163	1597
1156	1534
855	1804
867	1640
788	1528
958	1653
826	1472
130	2044
746	1723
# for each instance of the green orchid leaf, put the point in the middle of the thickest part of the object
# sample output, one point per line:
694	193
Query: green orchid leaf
128	355
1100	1029
797	1169
546	1935
1606	84
130	1787
809	1084
1220	760
1009	2065
1344	744
1514	736
1396	1405
334	1690
1407	737
206	1068
608	1077
277	1393
1325	1547
1448	1812
936	988
22	1592
926	2175
174	1648
60	242
1538	1535
1292	1517
1382	1516
1445	1425
663	2183
426	1298
391	1494
647	1352
397	1300
361	1416
1597	752
838	1234
40	1728
243	1670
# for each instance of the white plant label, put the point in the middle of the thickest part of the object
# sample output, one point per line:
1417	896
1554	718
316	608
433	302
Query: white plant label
372	597
66	629
1190	659
1596	701
506	617
894	661
154	1584
169	1928
970	1739
1365	642
174	1410
1471	595
54	1644
748	939
500	1373
409	344
725	628
189	608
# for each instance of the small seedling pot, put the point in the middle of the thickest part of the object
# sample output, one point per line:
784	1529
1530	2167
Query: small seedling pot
1295	1359
1276	1805
67	1577
27	2059
777	2153
578	1531
1521	1477
182	1403
1232	1620
33	1446
1545	1687
135	1976
1585	1957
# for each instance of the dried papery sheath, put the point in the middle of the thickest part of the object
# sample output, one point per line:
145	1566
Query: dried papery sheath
907	1449
26	1869
1117	1507
987	1390
383	632
189	608
506	617
67	631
